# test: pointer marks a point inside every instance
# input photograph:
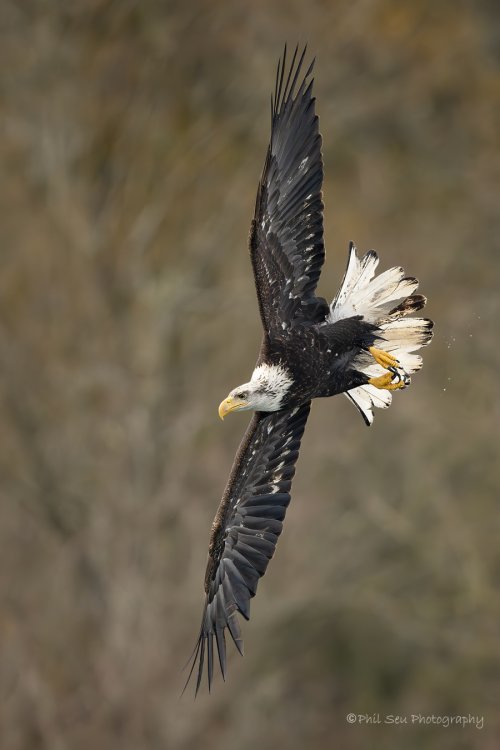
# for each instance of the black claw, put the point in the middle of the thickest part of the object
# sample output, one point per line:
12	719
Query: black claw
395	373
399	375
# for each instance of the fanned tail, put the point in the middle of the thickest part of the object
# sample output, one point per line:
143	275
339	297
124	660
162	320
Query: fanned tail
385	301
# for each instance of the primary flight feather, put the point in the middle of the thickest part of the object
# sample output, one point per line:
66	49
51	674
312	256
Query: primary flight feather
362	345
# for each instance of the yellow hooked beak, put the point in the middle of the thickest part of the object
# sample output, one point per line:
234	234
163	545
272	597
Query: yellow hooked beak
231	404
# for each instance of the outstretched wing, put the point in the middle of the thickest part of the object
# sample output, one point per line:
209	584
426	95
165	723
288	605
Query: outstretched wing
246	528
286	237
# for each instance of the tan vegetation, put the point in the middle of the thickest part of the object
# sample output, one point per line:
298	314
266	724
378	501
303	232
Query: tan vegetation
132	139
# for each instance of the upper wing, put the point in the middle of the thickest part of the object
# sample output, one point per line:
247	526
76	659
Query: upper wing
286	237
246	529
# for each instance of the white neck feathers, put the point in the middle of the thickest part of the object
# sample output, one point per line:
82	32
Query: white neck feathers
269	385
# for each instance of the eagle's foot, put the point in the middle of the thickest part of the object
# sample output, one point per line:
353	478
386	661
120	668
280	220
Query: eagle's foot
383	358
392	380
395	378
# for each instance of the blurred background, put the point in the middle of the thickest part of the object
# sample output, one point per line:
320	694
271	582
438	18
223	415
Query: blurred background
132	140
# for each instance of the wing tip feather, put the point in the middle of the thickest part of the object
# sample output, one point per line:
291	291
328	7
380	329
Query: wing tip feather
283	94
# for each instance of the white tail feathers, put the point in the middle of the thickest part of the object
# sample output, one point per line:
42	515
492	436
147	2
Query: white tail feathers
362	294
365	397
383	300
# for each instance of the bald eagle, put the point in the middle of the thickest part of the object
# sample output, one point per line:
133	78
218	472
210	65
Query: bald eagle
362	345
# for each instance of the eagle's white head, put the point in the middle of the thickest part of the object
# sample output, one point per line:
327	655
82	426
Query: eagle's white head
266	391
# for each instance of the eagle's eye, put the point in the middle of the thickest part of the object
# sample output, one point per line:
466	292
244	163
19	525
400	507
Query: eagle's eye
241	395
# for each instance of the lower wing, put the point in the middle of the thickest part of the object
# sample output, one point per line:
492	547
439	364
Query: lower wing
246	529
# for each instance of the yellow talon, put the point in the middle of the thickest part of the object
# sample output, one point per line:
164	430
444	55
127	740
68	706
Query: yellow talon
383	358
385	381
